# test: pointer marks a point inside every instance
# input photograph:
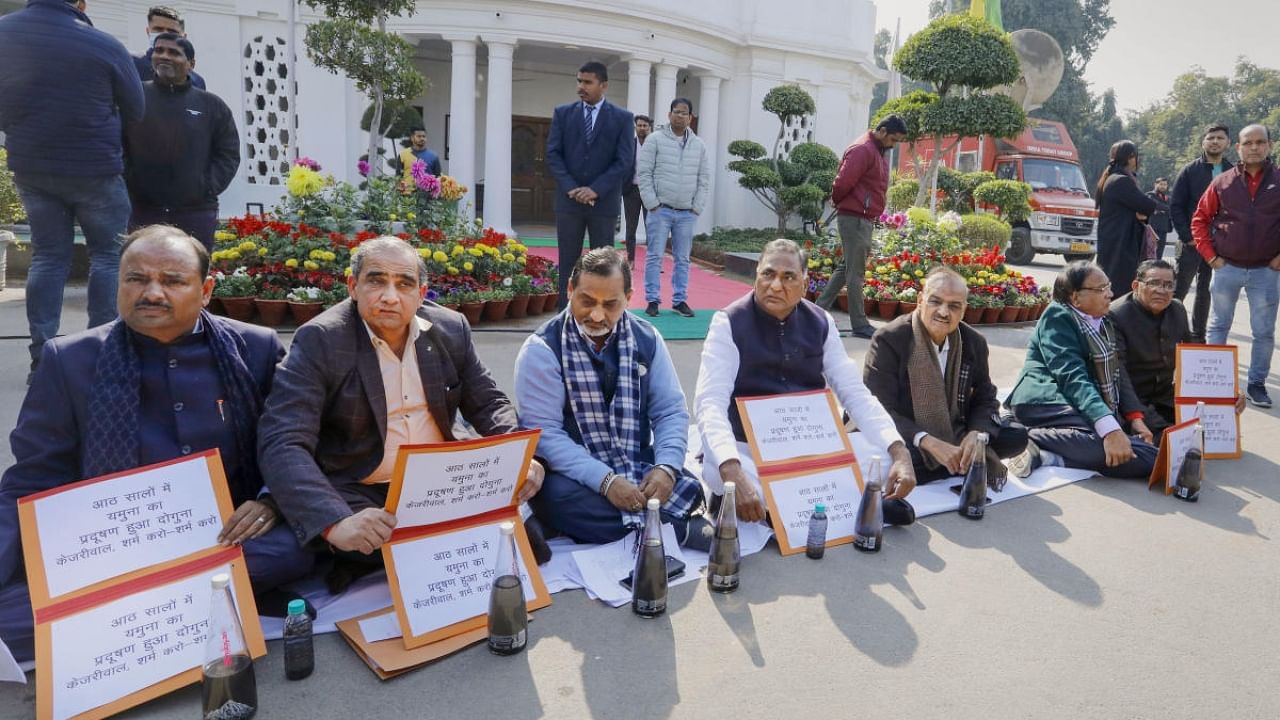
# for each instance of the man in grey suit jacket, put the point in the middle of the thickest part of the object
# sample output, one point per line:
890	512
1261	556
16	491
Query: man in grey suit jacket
375	372
591	152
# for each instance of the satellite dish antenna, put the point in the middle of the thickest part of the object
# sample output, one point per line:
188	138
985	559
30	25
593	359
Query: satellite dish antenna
1042	64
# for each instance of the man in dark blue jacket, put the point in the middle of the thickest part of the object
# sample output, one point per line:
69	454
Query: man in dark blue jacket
66	91
165	381
184	152
160	20
1193	179
591	152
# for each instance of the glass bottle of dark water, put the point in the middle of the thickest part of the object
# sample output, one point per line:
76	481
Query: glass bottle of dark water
868	528
973	494
725	557
228	687
508	614
815	545
649	579
299	646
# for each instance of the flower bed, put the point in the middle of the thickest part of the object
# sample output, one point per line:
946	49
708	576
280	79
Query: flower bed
300	253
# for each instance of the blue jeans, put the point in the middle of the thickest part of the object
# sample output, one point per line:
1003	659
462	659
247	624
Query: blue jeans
54	204
679	225
1260	287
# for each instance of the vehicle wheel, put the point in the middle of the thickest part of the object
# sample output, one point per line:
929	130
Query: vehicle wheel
1072	257
1020	251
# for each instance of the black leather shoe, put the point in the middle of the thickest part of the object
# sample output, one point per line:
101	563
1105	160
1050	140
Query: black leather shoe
699	534
682	309
898	512
651	310
537	540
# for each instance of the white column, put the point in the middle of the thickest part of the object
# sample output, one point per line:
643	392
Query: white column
497	135
462	117
708	130
664	92
638	86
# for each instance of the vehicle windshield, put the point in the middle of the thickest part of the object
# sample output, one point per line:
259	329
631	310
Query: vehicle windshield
1054	175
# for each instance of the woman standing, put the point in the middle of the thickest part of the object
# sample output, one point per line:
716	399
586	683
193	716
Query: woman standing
1073	394
1123	210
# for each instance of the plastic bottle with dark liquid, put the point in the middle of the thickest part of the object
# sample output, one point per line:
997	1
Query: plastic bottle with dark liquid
508	614
299	645
725	558
649	579
973	494
228	687
869	527
815	545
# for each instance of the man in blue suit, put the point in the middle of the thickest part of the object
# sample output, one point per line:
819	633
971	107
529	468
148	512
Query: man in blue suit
591	152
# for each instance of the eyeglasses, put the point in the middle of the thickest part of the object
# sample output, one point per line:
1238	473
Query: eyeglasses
1157	284
1100	288
681	113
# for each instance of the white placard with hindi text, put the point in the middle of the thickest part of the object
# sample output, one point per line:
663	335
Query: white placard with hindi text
105	529
446	578
793	426
444	485
794	498
1179	442
1208	372
1221	428
125	645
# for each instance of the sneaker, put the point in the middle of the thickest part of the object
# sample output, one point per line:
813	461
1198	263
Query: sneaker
537	540
865	332
651	310
1025	462
897	512
698	534
682	308
1258	395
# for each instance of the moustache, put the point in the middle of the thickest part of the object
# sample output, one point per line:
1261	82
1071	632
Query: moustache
159	306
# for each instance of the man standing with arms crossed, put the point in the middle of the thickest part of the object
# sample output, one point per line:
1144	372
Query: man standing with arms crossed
858	195
1237	231
1187	189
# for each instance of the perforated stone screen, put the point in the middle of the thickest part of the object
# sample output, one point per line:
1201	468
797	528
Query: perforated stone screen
266	114
798	129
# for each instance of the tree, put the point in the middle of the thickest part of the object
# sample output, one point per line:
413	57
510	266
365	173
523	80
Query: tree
951	53
799	183
378	62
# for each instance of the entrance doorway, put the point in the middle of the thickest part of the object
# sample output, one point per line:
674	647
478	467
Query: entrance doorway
533	189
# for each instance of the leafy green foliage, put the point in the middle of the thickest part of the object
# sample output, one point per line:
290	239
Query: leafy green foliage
747	149
1013	198
978	114
959	51
787	101
11	210
397	119
981	232
910	108
814	157
958	187
902	194
363	11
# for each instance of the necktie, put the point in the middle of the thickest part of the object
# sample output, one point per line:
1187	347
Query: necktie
591	124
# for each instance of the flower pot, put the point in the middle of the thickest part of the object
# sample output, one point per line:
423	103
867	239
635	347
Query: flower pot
271	312
1024	313
449	306
238	308
1009	313
215	306
991	315
868	307
519	307
496	310
906	308
842	302
535	304
810	295
888	308
302	312
1040	310
473	311
973	315
549	302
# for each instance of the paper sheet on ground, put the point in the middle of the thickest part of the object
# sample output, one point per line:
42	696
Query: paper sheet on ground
381	627
10	671
604	565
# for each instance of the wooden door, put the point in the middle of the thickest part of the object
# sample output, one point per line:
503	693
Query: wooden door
533	189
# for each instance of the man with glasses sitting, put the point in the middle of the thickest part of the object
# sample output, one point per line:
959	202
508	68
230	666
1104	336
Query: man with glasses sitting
1149	324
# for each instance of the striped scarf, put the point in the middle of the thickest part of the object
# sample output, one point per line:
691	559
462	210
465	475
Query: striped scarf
1104	362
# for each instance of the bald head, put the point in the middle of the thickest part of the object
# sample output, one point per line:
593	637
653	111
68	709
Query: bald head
943	277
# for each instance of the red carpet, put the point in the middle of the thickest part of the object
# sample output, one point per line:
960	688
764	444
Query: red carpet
707	290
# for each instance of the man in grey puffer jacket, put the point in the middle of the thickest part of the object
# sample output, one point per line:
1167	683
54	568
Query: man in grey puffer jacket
674	177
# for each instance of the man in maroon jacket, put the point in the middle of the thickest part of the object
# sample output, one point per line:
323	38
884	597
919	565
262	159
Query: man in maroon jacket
858	194
1237	231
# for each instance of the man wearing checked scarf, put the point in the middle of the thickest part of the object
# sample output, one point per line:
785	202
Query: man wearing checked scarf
600	385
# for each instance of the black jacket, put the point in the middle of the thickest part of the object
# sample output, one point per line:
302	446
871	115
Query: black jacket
1147	345
184	152
1159	220
1192	180
1119	229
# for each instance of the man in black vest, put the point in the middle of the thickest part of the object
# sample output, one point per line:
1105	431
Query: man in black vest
770	342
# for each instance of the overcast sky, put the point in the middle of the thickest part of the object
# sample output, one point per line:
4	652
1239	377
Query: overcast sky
1153	41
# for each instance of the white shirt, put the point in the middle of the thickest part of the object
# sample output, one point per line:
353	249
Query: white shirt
719	371
409	420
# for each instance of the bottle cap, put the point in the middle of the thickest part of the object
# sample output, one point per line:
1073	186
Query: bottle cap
507	528
221	580
730	486
820	508
654	504
297	606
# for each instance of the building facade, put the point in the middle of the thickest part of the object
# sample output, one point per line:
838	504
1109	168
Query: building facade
496	70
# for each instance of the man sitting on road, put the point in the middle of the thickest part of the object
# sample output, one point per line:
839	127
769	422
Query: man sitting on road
377	371
931	373
773	341
164	381
600	385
